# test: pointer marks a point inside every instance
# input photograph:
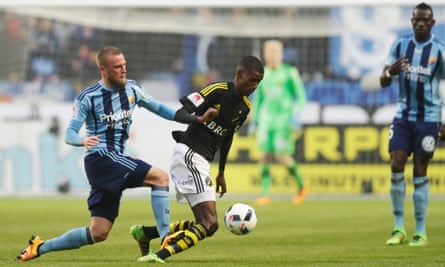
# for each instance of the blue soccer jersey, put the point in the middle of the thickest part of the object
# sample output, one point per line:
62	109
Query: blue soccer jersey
108	113
419	98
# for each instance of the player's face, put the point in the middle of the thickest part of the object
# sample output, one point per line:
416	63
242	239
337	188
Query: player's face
273	55
114	71
422	22
246	82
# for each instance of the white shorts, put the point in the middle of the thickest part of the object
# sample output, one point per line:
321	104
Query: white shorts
190	172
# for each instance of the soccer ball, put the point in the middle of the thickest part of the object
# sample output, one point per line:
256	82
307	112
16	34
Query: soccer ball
240	219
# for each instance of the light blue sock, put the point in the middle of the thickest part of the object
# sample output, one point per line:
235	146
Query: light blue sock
72	239
160	203
397	193
420	198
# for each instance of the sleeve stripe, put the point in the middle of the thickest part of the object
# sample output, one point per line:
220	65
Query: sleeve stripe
209	89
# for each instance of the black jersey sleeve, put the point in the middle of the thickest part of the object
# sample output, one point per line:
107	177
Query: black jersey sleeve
183	115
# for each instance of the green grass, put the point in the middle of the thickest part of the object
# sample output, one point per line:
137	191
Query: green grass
317	233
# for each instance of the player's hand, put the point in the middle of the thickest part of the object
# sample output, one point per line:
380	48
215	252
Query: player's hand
209	115
442	133
251	128
91	141
221	187
295	122
400	65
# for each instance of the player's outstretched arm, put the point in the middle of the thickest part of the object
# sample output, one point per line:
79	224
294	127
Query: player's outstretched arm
209	115
184	116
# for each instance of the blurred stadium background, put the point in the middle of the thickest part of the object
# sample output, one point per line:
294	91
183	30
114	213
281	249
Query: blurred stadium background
175	47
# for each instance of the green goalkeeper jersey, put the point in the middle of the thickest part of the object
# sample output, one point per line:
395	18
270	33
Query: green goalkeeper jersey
279	99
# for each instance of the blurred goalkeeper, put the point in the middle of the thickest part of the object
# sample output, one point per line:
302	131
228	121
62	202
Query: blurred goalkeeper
276	110
106	109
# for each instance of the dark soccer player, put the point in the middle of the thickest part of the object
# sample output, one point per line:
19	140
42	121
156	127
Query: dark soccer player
417	61
106	109
195	148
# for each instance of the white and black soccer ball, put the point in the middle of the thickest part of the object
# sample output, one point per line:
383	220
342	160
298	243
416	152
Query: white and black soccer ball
240	219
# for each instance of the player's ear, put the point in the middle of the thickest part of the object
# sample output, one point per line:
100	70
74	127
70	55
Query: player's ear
239	73
101	68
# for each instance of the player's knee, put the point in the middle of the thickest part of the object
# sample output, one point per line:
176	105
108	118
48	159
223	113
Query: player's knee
99	235
397	165
398	162
163	179
156	177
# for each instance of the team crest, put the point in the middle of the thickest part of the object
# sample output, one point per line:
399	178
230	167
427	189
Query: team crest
131	99
209	181
432	60
428	143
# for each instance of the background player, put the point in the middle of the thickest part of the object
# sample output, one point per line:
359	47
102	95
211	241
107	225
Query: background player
417	60
106	108
195	148
277	106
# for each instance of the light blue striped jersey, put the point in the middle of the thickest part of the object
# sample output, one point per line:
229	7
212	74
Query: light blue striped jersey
108	113
419	98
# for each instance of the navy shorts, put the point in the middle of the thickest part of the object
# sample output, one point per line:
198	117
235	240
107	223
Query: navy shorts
419	138
110	173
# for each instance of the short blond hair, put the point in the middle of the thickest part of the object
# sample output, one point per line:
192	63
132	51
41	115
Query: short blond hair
273	43
104	52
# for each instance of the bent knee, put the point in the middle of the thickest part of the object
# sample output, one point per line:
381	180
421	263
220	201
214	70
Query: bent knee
99	237
98	234
156	177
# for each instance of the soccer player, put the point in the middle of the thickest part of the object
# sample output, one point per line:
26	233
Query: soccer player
277	106
106	109
195	148
417	61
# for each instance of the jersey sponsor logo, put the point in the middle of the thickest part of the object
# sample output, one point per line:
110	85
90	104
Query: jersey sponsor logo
428	143
116	119
417	73
196	99
215	128
419	70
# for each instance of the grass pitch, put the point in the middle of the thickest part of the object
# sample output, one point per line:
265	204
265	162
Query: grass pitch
316	233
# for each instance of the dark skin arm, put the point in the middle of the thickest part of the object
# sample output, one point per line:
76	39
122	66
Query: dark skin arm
442	133
182	115
209	115
221	186
400	65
